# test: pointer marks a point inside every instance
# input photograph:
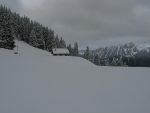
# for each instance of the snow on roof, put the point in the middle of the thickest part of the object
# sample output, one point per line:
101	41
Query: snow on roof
60	51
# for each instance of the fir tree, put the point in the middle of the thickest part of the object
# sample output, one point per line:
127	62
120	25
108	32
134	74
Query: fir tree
62	43
51	40
76	51
33	39
70	49
87	53
57	42
6	29
96	60
39	36
46	38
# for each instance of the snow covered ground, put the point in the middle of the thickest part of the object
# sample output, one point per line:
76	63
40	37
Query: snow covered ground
37	82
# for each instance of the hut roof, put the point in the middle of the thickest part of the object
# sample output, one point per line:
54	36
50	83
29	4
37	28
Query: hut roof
60	51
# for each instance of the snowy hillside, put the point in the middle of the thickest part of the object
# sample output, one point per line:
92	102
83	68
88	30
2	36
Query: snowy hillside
37	82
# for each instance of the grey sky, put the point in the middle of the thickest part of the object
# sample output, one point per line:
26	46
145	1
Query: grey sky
15	5
92	22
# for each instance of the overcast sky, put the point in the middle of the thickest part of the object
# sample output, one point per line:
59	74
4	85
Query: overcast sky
90	22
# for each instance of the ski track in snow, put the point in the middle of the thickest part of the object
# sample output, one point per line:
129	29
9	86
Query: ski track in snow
37	82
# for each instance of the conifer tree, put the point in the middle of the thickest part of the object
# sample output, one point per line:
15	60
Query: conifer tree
87	53
76	51
70	49
62	43
39	36
6	29
57	42
51	40
96	60
33	39
46	38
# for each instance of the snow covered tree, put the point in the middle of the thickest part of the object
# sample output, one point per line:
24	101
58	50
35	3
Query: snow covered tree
120	62
70	49
96	60
33	39
39	36
62	43
87	53
57	41
46	38
114	62
6	30
51	40
75	50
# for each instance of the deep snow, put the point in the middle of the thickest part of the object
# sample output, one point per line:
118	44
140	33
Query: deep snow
37	82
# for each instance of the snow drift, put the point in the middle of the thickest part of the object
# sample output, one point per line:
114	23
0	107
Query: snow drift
37	82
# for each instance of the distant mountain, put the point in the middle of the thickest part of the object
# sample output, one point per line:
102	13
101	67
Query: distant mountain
128	54
145	46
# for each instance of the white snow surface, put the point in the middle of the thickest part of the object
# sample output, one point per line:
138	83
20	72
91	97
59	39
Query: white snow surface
37	82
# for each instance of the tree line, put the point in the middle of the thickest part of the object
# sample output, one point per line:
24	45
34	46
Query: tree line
122	55
13	26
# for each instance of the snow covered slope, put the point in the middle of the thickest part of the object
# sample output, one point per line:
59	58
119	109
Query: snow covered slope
37	82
